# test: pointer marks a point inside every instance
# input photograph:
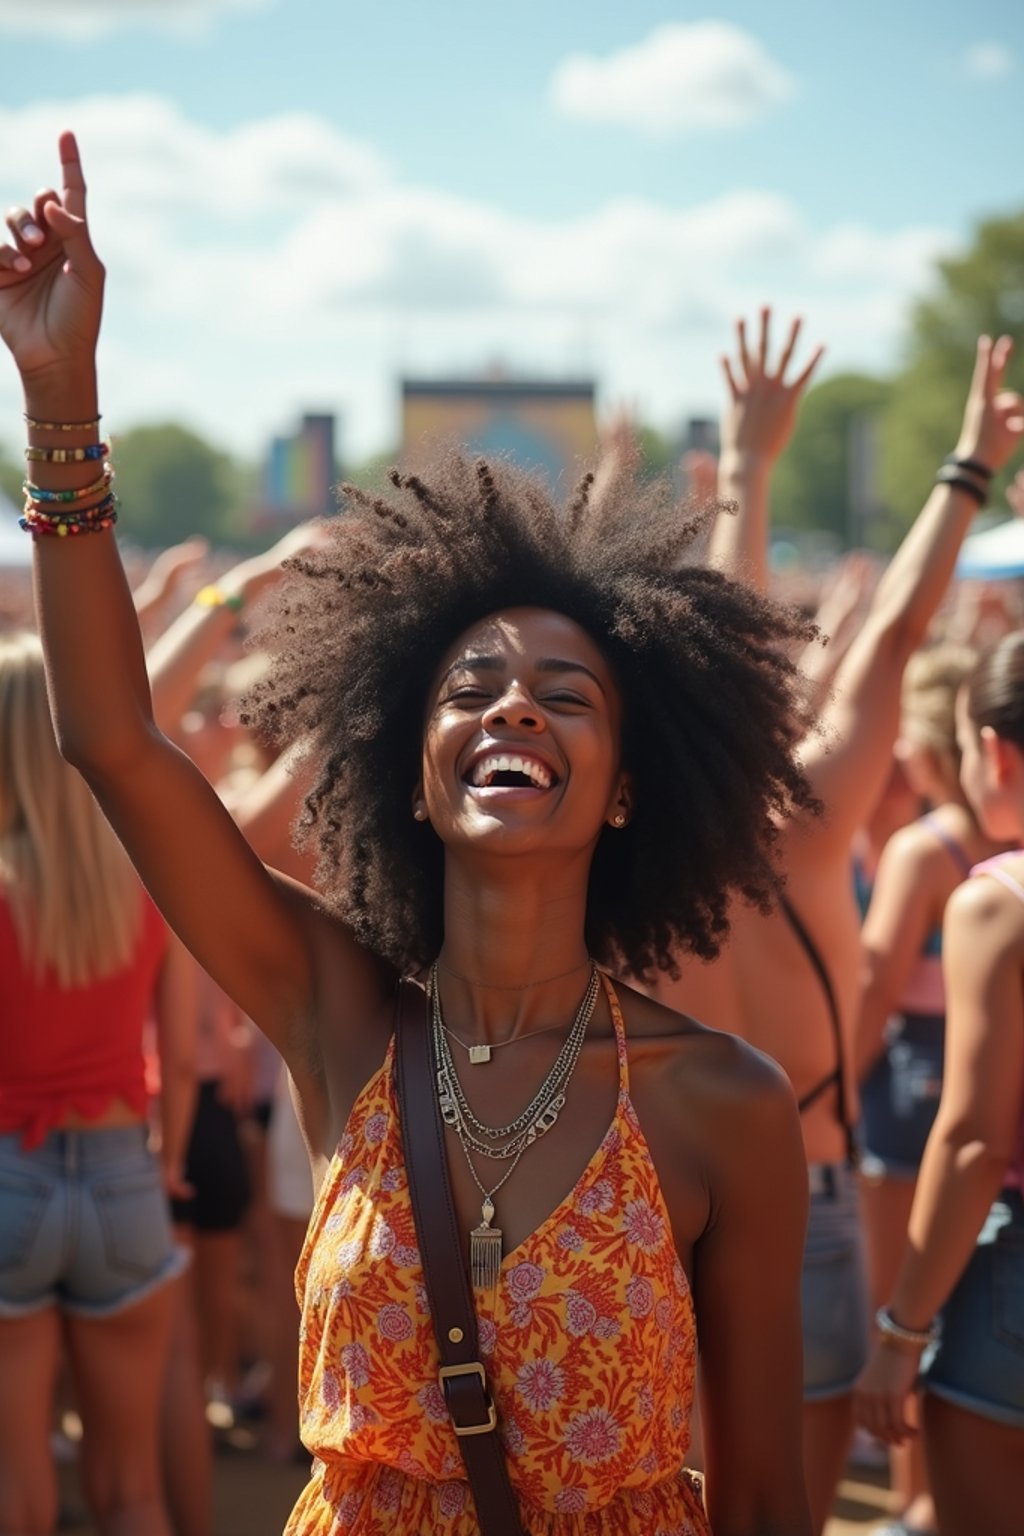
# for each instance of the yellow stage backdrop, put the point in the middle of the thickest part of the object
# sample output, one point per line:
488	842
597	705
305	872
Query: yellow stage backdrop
543	426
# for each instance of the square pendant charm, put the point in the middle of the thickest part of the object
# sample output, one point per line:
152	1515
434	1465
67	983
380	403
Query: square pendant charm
479	1053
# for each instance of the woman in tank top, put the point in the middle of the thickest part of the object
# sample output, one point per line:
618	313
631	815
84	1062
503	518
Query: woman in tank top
543	749
900	1026
955	1313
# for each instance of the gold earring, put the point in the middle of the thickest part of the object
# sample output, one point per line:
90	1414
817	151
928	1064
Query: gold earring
618	820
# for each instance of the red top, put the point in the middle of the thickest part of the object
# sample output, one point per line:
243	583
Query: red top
73	1048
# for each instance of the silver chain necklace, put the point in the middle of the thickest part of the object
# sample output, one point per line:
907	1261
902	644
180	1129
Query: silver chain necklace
485	1241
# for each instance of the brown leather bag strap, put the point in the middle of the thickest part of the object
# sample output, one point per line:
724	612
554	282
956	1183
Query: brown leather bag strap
442	1252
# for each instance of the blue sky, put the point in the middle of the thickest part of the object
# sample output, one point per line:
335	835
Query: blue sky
297	200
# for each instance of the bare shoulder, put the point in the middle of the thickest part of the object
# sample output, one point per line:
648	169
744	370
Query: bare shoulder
707	1066
987	911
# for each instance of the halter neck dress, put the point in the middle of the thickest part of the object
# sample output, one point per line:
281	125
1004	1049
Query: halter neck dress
589	1343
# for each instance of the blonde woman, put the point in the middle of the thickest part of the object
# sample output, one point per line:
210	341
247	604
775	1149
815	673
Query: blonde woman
86	1254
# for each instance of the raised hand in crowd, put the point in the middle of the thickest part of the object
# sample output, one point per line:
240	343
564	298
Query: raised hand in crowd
177	657
758	421
165	576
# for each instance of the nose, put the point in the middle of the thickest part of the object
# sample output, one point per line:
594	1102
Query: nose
514	708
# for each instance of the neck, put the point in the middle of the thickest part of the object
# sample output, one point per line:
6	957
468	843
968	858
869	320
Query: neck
514	956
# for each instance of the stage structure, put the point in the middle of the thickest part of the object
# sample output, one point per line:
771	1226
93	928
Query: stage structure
548	427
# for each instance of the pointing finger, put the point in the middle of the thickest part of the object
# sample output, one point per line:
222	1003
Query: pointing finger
74	180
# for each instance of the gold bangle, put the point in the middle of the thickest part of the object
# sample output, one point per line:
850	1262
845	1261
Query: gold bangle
63	426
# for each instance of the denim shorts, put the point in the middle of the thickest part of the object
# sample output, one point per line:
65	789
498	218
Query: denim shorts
84	1223
833	1285
978	1361
901	1095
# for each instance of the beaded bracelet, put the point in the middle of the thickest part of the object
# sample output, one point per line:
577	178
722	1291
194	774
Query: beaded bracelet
48	521
975	466
949	475
62	426
909	1338
47	527
41	494
67	455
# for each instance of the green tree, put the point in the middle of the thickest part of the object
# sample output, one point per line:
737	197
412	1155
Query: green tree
172	483
978	292
11	476
816	485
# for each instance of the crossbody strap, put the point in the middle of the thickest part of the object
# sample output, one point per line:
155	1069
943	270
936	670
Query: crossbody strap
462	1377
838	1073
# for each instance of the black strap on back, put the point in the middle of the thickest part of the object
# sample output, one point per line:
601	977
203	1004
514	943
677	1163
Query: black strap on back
838	1074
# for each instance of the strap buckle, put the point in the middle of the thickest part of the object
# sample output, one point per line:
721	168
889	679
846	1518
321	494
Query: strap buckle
472	1368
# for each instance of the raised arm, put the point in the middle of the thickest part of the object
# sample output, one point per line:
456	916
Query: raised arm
758	422
848	762
250	931
196	636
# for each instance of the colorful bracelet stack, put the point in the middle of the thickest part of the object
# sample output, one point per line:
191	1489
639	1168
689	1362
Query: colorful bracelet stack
58	513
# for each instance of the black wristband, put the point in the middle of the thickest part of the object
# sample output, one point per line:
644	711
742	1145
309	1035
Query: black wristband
975	466
950	475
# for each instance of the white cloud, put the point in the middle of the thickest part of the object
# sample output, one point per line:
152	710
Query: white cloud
79	20
279	266
684	77
989	61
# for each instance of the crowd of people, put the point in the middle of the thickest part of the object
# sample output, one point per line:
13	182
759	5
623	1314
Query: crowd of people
730	917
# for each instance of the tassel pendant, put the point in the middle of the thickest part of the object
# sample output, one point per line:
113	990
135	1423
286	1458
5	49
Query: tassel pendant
485	1250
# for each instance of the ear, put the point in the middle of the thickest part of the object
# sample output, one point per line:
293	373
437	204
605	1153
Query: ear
620	807
1001	757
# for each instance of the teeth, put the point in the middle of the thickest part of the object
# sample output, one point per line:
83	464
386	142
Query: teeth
487	767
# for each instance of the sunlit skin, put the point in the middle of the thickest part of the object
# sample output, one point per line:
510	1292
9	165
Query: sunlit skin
718	1118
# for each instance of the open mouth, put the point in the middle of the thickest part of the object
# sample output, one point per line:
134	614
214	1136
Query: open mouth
510	771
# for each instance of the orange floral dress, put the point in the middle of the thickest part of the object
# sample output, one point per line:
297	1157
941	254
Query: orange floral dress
589	1343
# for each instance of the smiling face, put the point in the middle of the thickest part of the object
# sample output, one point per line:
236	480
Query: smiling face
522	742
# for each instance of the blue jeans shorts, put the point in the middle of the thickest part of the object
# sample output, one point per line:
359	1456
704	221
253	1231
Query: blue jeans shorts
901	1095
833	1285
84	1223
978	1361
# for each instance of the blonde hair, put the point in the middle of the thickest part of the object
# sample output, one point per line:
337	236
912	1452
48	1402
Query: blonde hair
931	682
74	897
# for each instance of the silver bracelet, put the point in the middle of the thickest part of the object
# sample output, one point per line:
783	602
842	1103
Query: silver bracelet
913	1338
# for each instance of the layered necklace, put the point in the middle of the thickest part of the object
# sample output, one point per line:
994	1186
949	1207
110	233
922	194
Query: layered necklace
505	1143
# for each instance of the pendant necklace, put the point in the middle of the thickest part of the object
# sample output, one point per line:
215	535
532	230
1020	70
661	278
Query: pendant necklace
507	1141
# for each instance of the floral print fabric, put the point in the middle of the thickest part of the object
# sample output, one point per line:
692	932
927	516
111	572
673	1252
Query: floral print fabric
589	1344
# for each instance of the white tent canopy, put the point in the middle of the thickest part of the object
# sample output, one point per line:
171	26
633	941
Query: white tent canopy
15	548
997	554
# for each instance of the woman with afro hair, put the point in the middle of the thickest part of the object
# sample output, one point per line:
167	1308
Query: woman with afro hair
544	751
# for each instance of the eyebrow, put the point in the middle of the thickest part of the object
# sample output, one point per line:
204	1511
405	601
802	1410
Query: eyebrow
499	663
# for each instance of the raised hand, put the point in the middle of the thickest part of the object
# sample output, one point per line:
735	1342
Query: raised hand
51	280
762	408
993	422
